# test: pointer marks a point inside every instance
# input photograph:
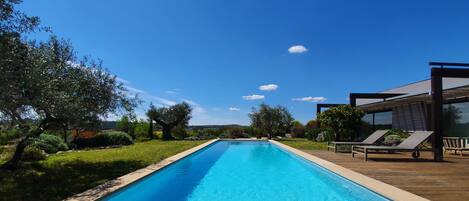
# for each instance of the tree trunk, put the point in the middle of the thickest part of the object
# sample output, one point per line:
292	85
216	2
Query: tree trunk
150	129
13	162
167	132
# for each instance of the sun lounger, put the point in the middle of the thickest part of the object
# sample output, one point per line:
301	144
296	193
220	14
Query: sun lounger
370	140
410	144
454	144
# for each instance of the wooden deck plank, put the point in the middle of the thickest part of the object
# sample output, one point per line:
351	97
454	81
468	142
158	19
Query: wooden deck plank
448	180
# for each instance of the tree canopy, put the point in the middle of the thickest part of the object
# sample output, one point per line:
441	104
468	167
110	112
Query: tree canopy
43	85
344	120
271	120
170	117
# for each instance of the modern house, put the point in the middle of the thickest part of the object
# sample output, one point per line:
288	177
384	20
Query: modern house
440	104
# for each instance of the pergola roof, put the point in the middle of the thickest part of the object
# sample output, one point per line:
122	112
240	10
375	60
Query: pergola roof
453	88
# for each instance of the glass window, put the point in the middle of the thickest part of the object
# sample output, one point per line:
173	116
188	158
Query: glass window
383	120
456	119
368	118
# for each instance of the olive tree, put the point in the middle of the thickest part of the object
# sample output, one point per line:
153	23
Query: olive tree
44	86
170	117
345	121
271	120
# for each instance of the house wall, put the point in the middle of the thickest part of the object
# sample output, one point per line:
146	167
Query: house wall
410	117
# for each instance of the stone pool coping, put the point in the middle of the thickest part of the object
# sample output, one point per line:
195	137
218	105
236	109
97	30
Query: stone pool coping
379	187
386	190
120	182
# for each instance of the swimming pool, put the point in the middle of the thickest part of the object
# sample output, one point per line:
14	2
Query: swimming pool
243	170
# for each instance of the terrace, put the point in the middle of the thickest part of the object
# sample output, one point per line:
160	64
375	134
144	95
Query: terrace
446	180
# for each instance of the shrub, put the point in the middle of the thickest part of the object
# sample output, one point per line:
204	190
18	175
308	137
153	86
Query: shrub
325	135
392	140
50	143
6	152
32	153
179	132
344	120
203	134
235	133
141	129
312	134
398	132
297	129
8	135
107	138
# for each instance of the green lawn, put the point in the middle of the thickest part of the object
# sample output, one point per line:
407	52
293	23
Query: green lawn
304	144
66	174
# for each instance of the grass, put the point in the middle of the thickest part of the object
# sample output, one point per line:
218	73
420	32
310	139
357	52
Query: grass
65	174
304	144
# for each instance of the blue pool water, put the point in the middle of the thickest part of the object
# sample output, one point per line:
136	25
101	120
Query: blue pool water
246	170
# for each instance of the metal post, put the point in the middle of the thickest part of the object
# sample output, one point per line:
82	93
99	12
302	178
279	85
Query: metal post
318	111
437	116
353	100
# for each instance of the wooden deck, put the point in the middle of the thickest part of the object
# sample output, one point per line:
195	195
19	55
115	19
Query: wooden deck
447	180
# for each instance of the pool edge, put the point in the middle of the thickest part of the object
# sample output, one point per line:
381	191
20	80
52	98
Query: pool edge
386	190
111	186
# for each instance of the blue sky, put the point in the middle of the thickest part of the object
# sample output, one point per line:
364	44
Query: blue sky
215	54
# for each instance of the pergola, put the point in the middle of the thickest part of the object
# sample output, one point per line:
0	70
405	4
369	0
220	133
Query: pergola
437	95
437	75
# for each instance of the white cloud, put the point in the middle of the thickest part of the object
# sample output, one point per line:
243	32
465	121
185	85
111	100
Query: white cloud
163	101
253	97
310	99
170	92
135	90
268	87
197	110
297	49
234	109
124	81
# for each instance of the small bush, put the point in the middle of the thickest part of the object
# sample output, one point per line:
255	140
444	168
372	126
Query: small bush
203	135
392	140
398	132
141	129
108	138
32	153
394	137
236	133
50	143
7	135
179	132
297	130
6	152
312	134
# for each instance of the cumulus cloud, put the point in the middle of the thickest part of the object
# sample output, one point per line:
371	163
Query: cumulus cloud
297	49
268	87
253	97
311	99
234	109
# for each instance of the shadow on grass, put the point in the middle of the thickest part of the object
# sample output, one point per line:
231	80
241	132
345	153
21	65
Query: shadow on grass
36	181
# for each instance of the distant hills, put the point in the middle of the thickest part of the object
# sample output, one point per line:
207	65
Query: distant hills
108	125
